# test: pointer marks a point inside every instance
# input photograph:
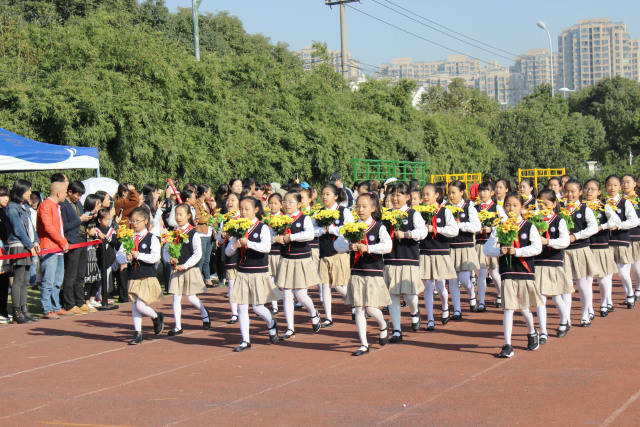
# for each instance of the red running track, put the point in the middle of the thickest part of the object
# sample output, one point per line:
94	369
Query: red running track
79	371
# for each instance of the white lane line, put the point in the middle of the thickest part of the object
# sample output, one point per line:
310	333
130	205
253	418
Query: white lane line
621	409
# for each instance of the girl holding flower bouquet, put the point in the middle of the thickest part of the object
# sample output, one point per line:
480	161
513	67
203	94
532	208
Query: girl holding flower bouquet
607	220
185	250
402	264
551	279
297	272
465	257
620	239
275	208
629	189
367	291
516	242
436	264
232	205
334	267
578	258
253	283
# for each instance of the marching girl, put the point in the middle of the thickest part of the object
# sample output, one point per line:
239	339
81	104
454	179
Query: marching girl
253	283
334	266
607	220
275	207
578	258
501	188
517	270
528	192
367	290
416	197
186	277
554	184
306	194
144	288
402	264
551	280
620	239
230	261
465	257
629	190
297	271
436	264
487	264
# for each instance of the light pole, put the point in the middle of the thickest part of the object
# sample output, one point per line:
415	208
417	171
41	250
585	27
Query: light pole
544	27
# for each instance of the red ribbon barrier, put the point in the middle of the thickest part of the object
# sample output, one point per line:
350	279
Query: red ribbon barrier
174	190
50	251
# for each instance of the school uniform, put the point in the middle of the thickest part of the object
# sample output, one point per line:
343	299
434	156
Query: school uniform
550	274
435	252
230	261
253	284
274	254
578	258
530	203
465	257
620	239
367	287
599	242
189	281
141	272
334	267
402	264
519	291
297	269
634	235
488	263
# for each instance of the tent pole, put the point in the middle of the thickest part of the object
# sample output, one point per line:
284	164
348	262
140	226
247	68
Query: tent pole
98	172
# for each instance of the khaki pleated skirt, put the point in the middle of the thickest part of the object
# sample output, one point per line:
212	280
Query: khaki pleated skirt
315	256
147	289
367	291
335	270
580	263
520	294
254	289
437	267
230	273
188	282
605	260
465	259
274	262
297	273
485	261
635	251
622	254
403	279
551	281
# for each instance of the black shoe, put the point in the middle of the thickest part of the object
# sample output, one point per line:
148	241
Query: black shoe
533	341
274	311
396	338
327	323
630	302
403	303
274	338
445	319
415	327
431	325
562	333
158	324
385	310
542	339
506	352
457	316
473	305
604	312
384	341
360	351
610	308
233	320
498	302
242	347
316	327
27	316
481	308
591	317
18	317
206	324
584	323
137	339
173	332
289	334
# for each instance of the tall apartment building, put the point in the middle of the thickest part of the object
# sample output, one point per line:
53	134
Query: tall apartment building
310	61
595	49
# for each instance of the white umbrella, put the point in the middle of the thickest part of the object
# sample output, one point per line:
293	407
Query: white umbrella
92	185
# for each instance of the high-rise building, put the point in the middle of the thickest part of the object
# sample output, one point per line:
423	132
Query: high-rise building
310	60
595	49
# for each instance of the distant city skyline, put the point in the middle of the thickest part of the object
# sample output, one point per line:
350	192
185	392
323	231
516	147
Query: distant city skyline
510	26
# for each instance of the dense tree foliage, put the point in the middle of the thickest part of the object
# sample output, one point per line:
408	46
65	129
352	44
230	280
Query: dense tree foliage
120	76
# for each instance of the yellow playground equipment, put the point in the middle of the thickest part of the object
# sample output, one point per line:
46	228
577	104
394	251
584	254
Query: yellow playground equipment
539	173
468	178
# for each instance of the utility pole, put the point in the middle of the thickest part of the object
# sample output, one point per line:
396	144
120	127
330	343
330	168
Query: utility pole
343	32
195	4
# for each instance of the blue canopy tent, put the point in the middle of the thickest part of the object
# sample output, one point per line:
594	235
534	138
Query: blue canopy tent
19	154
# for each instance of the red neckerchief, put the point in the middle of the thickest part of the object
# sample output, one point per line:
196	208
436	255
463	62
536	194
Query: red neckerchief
579	204
516	244
364	240
243	249
288	231
485	206
434	221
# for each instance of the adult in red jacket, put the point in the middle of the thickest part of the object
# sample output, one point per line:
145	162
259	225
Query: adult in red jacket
51	234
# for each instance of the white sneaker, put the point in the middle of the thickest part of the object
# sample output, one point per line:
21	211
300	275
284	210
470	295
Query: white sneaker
95	304
4	320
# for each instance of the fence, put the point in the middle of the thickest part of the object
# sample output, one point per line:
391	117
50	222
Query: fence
539	173
381	170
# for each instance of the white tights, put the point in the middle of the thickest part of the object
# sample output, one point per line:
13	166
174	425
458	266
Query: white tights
585	289
635	268
624	271
301	295
361	322
429	287
243	319
177	308
139	308
563	309
606	283
325	297
567	299
233	305
507	323
395	309
482	283
464	277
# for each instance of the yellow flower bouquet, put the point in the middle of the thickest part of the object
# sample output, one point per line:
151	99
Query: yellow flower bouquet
214	219
355	215
353	231
565	213
455	210
538	220
427	212
392	218
125	236
596	206
280	223
486	217
326	217
237	227
174	239
508	231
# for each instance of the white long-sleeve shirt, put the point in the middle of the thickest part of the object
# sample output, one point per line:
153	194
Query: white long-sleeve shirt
420	229
306	234
474	225
632	217
492	247
613	220
341	245
333	229
196	243
263	246
450	227
150	258
562	241
592	225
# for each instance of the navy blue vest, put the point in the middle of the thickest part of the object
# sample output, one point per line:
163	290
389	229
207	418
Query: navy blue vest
438	245
579	224
297	250
141	270
514	269
463	239
405	251
186	250
600	240
326	240
634	233
529	202
549	256
253	261
369	264
620	237
482	238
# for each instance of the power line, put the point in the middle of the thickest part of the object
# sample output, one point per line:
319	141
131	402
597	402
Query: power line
451	29
442	32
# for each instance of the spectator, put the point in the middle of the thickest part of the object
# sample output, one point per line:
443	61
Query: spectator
5	266
127	199
34	202
21	237
203	194
75	261
51	234
336	179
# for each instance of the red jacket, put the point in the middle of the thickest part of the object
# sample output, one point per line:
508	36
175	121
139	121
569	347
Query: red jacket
48	225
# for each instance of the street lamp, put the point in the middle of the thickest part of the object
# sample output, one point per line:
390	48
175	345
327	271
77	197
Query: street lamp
544	27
